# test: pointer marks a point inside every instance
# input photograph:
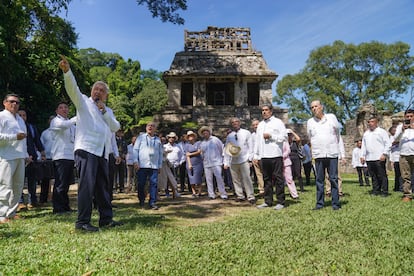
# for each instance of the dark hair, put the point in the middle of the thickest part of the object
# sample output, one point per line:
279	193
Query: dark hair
409	111
10	95
270	106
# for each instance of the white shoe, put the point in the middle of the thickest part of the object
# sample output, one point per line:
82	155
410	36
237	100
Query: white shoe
261	206
279	207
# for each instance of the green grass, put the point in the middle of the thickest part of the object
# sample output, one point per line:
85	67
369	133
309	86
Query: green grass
368	236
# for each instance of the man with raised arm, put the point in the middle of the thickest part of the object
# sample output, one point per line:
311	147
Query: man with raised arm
95	124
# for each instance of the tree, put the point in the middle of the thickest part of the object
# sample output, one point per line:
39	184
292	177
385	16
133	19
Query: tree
32	36
151	99
166	9
345	76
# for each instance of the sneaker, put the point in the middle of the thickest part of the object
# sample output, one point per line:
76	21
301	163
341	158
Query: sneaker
279	207
261	206
224	197
154	207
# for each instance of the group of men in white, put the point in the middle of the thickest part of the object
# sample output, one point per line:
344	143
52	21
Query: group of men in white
265	150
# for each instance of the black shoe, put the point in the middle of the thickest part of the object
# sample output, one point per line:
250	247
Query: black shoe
336	208
87	227
252	201
112	223
154	207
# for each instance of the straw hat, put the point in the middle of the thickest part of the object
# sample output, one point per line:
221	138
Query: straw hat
232	150
190	132
202	129
172	135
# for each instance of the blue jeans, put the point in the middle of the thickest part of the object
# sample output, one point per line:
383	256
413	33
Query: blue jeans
152	175
331	165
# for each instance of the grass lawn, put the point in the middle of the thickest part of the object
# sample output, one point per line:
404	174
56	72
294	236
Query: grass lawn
368	236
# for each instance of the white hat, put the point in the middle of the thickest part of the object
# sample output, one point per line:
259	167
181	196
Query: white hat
202	129
190	132
172	135
232	150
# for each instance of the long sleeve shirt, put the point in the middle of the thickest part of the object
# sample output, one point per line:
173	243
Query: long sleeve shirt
406	139
10	126
174	154
307	154
243	139
272	147
356	158
212	152
93	129
47	141
63	132
148	151
324	136
374	144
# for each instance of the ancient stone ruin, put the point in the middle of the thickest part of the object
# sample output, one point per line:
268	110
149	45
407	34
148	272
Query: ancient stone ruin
218	75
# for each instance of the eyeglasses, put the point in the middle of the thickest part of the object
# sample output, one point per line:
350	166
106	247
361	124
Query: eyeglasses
13	102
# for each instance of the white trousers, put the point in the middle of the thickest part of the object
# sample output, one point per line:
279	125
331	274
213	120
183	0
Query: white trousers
11	186
210	173
242	181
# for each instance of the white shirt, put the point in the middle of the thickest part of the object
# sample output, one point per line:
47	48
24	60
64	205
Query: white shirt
272	147
245	142
375	143
10	147
63	133
130	155
406	139
324	136
212	152
93	129
47	141
356	158
174	155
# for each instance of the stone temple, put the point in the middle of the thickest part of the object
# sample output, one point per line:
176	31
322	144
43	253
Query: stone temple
218	75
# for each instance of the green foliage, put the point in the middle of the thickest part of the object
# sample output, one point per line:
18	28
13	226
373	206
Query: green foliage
368	236
166	9
347	76
151	99
190	125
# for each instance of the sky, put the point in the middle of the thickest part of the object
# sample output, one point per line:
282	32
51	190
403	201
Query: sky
285	31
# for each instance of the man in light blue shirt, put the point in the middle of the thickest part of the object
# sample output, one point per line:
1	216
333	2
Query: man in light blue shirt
148	153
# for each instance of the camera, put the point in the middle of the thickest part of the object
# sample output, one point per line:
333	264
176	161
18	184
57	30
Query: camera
407	122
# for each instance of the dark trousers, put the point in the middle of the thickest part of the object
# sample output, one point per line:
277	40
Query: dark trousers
119	174
63	178
398	181
363	175
297	171
93	183
331	166
272	169
183	177
111	173
30	173
379	176
307	168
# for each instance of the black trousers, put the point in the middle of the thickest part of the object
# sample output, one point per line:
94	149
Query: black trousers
379	176
272	169
93	183
63	178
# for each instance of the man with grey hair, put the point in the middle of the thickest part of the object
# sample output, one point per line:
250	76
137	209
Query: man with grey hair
271	133
323	132
95	125
239	163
